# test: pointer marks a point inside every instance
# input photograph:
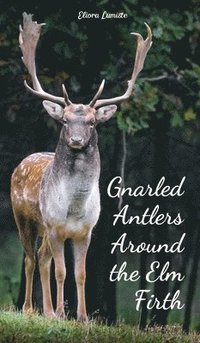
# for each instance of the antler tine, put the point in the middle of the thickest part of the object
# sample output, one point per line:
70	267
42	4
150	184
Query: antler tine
66	96
44	95
142	50
98	94
28	39
143	47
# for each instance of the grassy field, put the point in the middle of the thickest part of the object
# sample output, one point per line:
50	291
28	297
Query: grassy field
18	328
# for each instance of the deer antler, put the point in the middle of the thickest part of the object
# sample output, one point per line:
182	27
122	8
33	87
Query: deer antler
143	47
97	95
28	39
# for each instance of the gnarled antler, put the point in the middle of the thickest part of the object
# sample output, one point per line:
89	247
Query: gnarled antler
143	47
28	39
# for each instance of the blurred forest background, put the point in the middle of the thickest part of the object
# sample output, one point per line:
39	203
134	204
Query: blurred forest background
155	133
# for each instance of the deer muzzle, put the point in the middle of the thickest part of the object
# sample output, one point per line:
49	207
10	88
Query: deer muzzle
76	142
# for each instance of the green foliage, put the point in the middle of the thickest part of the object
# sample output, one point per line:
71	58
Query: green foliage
173	54
134	115
18	328
179	87
10	250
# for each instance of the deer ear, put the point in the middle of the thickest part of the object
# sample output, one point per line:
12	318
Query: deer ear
105	113
54	110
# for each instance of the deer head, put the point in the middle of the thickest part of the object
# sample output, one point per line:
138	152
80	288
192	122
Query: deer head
78	120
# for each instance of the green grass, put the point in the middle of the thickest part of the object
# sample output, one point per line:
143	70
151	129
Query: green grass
19	328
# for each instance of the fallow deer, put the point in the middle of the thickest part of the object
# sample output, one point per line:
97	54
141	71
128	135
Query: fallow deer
56	195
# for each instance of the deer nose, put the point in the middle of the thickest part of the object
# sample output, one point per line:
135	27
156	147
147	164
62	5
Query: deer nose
76	140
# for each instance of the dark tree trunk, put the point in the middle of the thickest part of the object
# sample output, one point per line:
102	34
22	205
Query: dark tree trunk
143	283
192	280
158	317
143	272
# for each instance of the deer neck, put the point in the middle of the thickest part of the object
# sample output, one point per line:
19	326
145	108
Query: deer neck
70	185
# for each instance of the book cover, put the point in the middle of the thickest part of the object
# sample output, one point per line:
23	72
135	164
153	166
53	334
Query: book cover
142	265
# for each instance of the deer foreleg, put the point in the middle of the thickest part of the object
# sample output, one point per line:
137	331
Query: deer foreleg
57	248
44	258
80	253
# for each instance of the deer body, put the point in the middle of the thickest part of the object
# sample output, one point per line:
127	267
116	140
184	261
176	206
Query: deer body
59	190
56	195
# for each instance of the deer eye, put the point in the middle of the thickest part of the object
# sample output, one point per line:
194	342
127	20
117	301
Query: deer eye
64	121
92	123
